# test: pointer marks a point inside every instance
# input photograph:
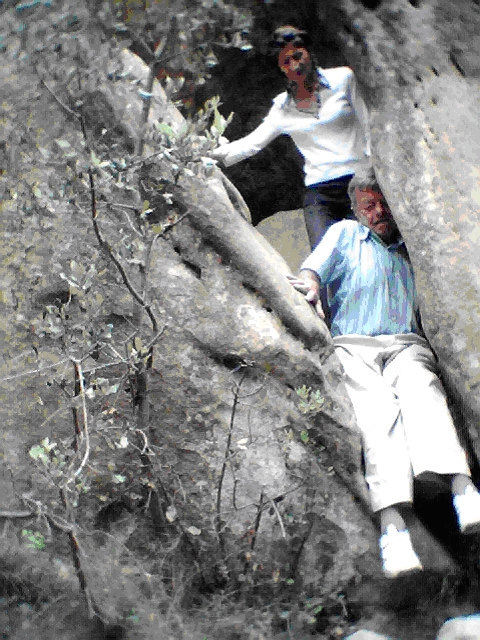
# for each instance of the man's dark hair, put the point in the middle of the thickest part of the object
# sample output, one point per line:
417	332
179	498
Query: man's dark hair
363	179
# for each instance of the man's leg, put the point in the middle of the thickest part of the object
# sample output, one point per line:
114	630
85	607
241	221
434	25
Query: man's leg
387	463
430	434
388	469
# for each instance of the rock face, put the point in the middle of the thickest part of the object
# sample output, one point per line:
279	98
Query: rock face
223	330
260	489
255	487
419	63
286	232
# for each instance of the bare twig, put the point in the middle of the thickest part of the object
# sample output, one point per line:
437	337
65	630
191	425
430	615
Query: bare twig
115	352
50	417
170	225
62	104
145	442
105	366
239	201
16	514
120	205
81	432
85	420
256	527
149	89
34	371
132	226
218	518
111	254
155	338
148	257
76	393
280	522
147	105
249	505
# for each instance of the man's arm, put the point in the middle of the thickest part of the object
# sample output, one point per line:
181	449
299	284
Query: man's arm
325	264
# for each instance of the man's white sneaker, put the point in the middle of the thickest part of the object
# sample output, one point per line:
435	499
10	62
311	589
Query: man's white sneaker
467	507
397	553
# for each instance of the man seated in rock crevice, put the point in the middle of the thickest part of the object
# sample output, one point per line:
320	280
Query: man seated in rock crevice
391	373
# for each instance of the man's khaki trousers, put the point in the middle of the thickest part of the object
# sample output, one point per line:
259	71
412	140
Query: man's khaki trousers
402	412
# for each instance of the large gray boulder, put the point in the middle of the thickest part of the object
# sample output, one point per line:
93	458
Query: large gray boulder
258	488
419	65
255	487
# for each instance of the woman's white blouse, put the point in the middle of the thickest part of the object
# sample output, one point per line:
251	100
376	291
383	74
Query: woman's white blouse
333	137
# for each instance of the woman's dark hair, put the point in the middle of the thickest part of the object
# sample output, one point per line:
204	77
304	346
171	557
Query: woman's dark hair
289	35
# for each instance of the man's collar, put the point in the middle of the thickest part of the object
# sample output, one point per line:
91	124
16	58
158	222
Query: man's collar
364	232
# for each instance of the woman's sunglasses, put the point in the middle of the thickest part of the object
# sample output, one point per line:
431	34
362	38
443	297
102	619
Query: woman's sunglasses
294	38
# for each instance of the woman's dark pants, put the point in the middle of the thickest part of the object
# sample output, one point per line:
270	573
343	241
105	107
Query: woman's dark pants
324	204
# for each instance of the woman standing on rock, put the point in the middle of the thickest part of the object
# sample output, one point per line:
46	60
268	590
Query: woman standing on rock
328	121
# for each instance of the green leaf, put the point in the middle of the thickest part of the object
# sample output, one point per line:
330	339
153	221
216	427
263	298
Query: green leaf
194	531
303	392
63	144
290	581
218	121
47	444
107	391
35	539
163	127
95	159
36	192
133	617
183	131
304	436
38	453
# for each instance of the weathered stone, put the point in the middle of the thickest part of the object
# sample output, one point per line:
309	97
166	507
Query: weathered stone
260	267
425	123
231	331
286	232
281	488
273	483
115	108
